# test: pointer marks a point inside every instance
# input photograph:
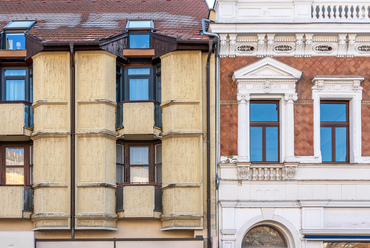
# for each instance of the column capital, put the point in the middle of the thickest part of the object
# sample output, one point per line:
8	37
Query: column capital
290	97
242	98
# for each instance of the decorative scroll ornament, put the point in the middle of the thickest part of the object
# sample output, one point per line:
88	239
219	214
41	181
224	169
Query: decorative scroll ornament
290	171
246	49
242	98
323	48
285	48
318	85
365	48
267	87
243	172
357	85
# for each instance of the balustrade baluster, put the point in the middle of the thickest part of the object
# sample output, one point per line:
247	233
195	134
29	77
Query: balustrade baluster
271	173
266	176
260	176
326	11
277	174
331	13
341	11
321	12
254	177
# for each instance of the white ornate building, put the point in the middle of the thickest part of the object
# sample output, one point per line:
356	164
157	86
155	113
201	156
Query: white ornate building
294	123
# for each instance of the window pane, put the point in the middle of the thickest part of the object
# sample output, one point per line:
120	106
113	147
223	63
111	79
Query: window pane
14	156
15	41
139	40
326	143
272	144
158	174
139	24
139	174
341	144
31	175
256	143
139	155
333	112
19	24
31	154
15	72
119	154
264	111
158	154
263	236
120	174
15	90
139	89
14	175
138	71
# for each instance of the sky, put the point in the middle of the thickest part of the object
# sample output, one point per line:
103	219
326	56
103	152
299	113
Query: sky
210	3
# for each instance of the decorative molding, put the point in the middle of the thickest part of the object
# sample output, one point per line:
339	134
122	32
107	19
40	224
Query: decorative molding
308	102
295	44
228	102
337	88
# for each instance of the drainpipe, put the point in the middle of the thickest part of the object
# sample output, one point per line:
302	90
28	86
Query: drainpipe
217	114
73	137
209	240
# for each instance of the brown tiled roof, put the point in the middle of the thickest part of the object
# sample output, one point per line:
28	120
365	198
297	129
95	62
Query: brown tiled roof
63	20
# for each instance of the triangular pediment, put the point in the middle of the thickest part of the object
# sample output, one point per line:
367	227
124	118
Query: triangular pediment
267	68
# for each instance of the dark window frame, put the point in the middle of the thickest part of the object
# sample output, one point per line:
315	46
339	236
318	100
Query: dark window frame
28	83
333	125
283	236
27	157
126	158
265	124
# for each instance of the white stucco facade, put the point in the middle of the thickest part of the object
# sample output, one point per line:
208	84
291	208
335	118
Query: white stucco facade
308	201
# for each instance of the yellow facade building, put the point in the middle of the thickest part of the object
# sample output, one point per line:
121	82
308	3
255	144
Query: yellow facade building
105	139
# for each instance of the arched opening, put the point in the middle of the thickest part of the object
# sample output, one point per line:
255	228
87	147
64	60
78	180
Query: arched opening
264	236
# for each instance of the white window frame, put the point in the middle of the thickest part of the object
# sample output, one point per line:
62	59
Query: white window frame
344	88
267	79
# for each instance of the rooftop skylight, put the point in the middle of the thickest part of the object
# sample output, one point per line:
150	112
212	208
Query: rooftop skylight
24	25
139	24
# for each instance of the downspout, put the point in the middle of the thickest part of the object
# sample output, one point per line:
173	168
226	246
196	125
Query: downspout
209	240
217	115
73	137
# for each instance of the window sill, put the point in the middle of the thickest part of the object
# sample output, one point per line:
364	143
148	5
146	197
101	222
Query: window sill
138	53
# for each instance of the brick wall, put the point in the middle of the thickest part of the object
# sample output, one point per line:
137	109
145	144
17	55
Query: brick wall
303	109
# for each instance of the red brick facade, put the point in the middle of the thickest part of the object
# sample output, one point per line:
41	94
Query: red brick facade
303	114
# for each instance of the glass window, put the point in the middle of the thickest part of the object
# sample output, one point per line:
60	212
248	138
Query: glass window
139	41
334	131
120	164
264	131
140	24
20	24
263	236
15	41
14	165
16	86
158	163
138	163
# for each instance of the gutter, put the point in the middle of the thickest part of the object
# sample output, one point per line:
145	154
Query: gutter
217	123
73	138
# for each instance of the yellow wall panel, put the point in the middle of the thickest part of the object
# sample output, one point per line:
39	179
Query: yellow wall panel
96	115
12	119
181	159
96	75
138	118
51	76
96	159
139	201
11	202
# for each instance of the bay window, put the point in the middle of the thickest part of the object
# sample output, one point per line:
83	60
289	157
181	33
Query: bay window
15	164
138	163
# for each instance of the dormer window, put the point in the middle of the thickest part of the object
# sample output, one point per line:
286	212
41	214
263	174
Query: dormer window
13	38
139	33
